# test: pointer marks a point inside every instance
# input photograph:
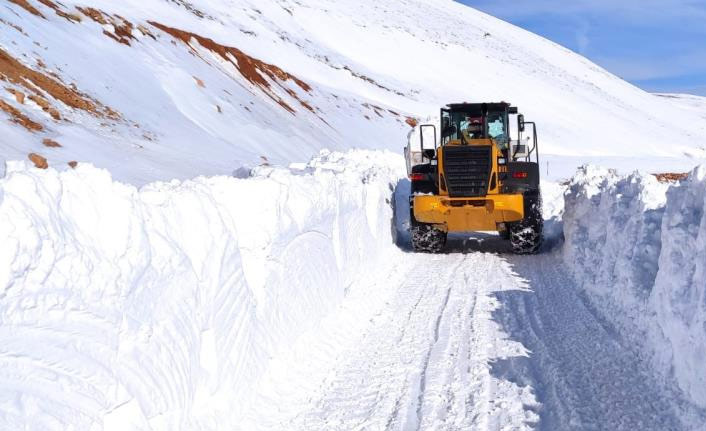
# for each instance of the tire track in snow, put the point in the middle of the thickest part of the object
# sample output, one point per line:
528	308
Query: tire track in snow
445	363
584	377
423	376
420	362
471	341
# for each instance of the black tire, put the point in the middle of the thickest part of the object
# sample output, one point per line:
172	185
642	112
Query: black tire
426	238
526	236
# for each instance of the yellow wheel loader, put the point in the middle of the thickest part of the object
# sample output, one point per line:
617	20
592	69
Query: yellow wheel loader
475	178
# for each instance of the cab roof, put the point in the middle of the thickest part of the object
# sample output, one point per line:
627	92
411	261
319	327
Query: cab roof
499	106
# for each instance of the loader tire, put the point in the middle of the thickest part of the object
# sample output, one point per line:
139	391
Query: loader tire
526	235
427	239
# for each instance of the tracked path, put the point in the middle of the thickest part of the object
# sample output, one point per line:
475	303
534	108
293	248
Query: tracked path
476	341
584	375
421	361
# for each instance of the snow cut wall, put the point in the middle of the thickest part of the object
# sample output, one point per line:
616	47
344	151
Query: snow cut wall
158	308
638	248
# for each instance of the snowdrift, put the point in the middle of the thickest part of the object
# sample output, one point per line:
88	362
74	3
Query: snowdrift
159	308
638	248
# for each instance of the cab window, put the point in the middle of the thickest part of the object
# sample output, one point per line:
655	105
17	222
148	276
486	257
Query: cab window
497	128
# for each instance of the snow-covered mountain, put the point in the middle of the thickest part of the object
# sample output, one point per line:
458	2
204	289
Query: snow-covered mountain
689	101
170	88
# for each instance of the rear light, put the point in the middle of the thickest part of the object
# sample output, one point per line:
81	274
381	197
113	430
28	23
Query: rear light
501	161
417	177
519	175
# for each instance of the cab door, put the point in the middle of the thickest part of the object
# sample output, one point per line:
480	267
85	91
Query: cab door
445	124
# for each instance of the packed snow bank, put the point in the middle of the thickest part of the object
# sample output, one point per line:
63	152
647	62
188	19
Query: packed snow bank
159	308
638	248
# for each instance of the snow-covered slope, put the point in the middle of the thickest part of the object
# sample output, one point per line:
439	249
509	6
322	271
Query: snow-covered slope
163	89
689	101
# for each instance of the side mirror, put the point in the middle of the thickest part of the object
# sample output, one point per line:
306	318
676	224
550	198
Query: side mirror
521	123
429	154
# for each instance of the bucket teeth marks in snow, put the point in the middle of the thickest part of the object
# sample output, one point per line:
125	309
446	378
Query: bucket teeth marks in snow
147	320
58	367
258	73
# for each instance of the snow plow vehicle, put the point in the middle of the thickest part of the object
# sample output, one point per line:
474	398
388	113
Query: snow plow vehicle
475	177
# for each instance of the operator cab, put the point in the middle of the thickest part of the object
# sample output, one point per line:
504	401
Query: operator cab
469	124
463	123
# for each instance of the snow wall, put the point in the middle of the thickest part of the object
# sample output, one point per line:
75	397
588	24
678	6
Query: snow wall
158	308
638	249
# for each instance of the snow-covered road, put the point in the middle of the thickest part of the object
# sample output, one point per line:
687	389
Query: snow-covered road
475	339
316	317
417	359
583	374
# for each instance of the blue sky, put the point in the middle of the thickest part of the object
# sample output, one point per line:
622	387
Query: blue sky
658	45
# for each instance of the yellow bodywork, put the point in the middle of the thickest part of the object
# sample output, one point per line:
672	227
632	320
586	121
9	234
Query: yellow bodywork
470	213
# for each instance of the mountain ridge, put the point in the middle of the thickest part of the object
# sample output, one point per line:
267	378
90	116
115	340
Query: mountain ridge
170	104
